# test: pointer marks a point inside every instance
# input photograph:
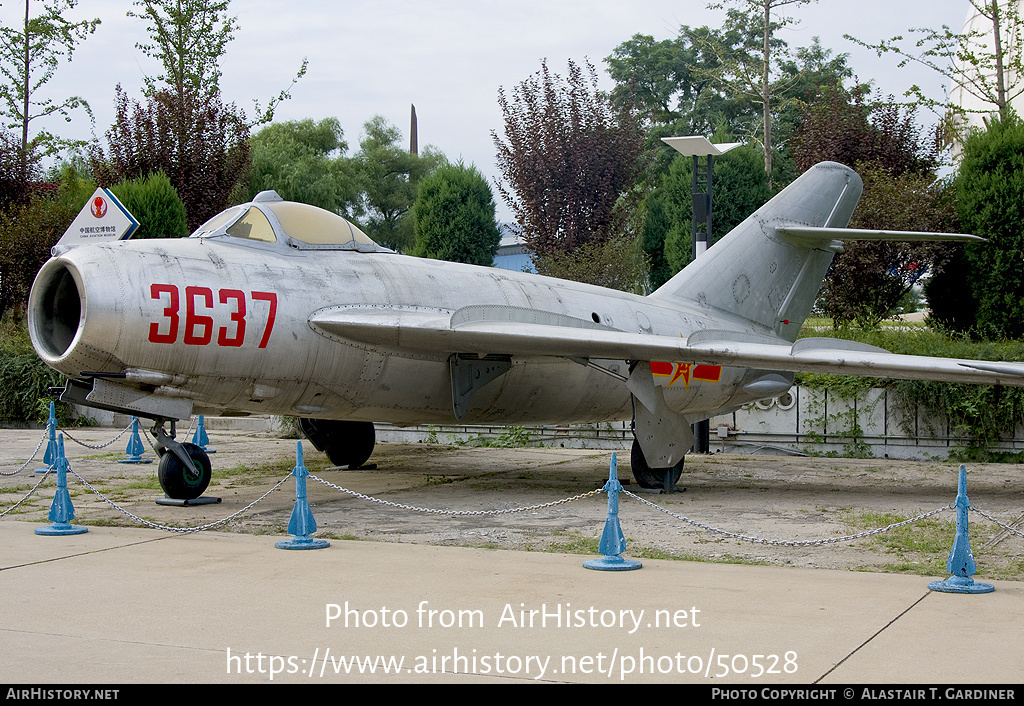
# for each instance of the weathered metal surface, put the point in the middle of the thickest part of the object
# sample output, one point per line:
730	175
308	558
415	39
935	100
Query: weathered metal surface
279	308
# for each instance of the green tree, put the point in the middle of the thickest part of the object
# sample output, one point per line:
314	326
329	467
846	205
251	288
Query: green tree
674	84
189	38
988	65
454	216
658	212
29	57
739	190
990	195
303	161
616	263
388	177
754	72
155	204
680	85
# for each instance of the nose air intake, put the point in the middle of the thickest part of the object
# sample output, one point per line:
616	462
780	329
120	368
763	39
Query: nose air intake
55	310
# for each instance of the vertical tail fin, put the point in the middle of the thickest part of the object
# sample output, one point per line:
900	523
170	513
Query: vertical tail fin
769	277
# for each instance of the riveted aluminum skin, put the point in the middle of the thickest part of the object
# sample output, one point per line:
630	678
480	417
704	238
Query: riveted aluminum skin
252	315
94	309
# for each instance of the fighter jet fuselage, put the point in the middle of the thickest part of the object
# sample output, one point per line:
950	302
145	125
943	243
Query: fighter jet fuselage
227	324
282	308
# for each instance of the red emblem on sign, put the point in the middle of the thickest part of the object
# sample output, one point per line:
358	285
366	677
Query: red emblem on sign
98	207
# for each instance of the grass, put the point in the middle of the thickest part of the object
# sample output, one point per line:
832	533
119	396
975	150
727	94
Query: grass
921	547
575	543
241	473
346	537
100	457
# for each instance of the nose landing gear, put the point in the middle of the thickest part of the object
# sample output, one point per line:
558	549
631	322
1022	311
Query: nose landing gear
184	469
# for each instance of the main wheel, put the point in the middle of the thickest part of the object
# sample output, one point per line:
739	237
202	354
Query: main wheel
178	480
345	443
647	477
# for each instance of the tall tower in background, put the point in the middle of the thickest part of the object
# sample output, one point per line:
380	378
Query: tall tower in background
414	140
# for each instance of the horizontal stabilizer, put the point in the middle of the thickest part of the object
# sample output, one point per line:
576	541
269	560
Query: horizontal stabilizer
825	234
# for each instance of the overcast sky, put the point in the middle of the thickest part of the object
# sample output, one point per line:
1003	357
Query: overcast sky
447	57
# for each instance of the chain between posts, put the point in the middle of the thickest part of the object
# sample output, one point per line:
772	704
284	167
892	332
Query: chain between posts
783	542
169	528
1008	528
29	493
505	511
435	511
91	446
30	459
65	433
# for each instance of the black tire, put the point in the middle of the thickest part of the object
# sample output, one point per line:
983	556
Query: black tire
177	480
647	477
345	443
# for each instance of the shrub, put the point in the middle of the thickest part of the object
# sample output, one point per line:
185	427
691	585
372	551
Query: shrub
155	204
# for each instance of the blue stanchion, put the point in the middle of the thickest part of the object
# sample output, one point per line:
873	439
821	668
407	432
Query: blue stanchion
302	524
51	442
200	437
61	509
961	563
135	447
613	542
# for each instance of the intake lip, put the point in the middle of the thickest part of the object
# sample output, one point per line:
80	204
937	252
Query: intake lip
56	310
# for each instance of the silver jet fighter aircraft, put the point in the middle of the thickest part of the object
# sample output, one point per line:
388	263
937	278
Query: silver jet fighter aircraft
275	307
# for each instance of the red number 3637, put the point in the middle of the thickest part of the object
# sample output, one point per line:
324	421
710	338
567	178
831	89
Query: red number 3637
198	328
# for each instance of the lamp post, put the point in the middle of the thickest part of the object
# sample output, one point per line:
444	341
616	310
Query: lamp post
696	147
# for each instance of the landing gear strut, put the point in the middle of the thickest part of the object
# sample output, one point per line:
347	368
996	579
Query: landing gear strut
345	443
647	477
184	469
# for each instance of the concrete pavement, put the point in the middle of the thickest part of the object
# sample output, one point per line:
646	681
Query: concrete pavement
122	606
131	605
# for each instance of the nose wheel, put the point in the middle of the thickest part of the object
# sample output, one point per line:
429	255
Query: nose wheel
181	481
184	470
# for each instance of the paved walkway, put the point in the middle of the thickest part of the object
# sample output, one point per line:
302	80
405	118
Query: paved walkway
122	606
131	605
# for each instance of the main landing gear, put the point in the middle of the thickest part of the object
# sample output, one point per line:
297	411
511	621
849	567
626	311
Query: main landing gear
184	470
345	443
647	477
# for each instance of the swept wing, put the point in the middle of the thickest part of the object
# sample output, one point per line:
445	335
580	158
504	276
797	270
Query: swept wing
528	333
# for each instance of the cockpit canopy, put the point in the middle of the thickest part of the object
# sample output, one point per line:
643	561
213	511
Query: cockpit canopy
271	219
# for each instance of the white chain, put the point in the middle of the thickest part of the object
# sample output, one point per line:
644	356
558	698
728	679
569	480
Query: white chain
456	512
786	543
29	493
734	535
22	468
1008	528
90	446
169	528
65	432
